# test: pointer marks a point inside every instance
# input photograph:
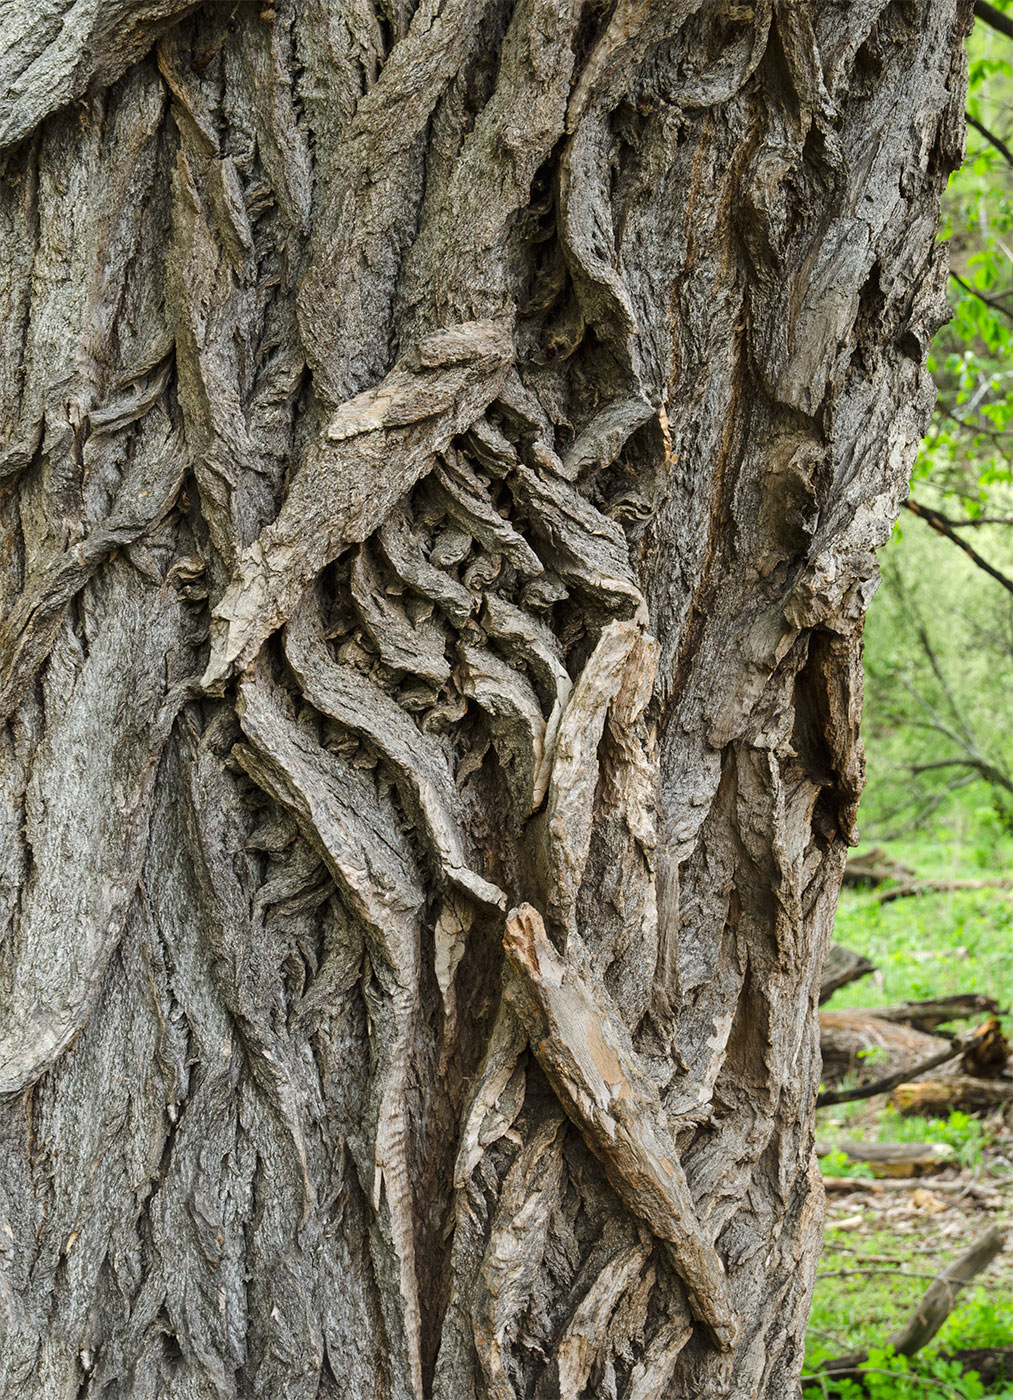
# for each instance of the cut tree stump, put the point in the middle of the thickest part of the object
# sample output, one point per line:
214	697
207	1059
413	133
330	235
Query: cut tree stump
936	1097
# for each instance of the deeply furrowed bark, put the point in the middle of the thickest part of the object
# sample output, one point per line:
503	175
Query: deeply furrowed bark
444	449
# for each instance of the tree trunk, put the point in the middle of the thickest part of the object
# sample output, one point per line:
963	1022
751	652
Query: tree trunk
444	453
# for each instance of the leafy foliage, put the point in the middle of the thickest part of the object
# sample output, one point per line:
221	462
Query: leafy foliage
837	1163
939	673
940	637
964	1133
967	453
939	658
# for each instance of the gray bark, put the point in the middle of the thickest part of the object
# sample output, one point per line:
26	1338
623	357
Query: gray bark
444	450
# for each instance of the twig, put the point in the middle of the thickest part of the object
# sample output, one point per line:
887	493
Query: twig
975	429
919	887
893	1272
993	303
876	1186
881	1258
972	524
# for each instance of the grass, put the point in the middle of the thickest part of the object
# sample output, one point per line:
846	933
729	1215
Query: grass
936	944
932	945
867	1284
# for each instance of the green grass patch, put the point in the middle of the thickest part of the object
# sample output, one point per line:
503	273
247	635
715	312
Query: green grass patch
866	1286
935	945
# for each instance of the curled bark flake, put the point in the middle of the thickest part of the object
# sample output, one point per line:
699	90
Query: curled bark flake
463	496
654	1370
340	814
586	1332
518	728
402	647
585	547
91	764
148	490
63	49
372	451
526	639
404	555
450	937
416	762
491	1109
582	1044
374	872
490	448
603	438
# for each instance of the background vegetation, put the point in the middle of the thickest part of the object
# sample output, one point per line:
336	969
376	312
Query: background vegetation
939	738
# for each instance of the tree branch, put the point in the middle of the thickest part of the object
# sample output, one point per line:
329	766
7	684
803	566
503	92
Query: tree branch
926	1319
993	17
999	144
890	1081
993	303
937	886
942	526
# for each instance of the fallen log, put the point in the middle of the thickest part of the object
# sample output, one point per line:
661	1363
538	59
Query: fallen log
851	1184
911	888
928	1015
893	1158
860	1042
841	967
926	1319
987	1051
873	867
890	1081
930	1098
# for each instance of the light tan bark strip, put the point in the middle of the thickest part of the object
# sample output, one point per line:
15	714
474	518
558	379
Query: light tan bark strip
587	1055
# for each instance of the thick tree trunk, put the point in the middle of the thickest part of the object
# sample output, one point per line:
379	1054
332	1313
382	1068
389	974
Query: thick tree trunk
518	393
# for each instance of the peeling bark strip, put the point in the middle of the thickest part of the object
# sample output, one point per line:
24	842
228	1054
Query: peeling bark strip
443	446
585	1050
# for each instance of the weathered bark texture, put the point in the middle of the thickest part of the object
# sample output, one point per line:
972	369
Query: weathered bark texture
444	449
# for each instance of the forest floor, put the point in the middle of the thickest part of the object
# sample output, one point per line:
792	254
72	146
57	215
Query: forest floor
884	1245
